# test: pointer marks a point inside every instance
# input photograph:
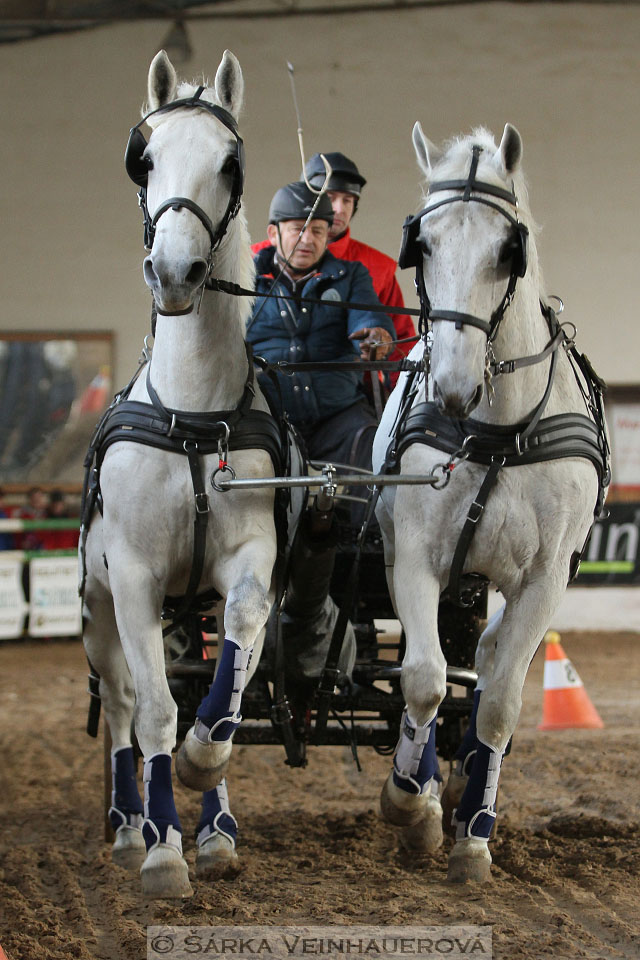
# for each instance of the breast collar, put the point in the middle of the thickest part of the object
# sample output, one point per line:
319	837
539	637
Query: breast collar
155	425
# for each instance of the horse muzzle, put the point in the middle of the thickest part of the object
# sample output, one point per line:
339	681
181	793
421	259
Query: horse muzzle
452	404
175	284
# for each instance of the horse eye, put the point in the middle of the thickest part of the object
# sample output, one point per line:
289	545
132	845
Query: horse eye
229	166
507	252
148	162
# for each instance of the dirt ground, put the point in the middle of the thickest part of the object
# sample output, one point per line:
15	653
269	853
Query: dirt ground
566	875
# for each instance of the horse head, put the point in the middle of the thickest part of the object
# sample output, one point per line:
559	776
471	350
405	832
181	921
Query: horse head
191	175
471	247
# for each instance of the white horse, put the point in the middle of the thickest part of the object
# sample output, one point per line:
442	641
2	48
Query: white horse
141	548
481	290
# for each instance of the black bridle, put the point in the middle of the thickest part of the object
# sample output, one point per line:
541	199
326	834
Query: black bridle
411	253
138	170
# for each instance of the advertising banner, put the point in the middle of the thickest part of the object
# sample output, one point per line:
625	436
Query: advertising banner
612	555
55	608
12	603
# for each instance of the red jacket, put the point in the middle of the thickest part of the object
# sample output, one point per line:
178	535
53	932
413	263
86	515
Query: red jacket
383	274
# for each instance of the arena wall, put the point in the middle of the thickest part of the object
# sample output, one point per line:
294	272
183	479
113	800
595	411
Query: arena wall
565	75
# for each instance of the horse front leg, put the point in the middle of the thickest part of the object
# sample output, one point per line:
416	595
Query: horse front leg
517	637
410	796
204	756
466	752
104	650
138	601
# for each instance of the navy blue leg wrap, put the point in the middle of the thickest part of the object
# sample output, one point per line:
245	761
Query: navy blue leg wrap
477	811
220	709
216	817
469	743
161	824
126	805
415	763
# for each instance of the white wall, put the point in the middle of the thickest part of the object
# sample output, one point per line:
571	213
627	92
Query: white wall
567	77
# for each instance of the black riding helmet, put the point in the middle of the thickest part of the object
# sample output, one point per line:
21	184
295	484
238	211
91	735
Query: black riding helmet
345	176
295	202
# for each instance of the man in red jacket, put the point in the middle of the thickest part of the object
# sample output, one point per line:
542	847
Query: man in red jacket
344	189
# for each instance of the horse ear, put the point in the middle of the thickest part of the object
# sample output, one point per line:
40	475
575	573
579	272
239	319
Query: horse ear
509	154
427	154
162	83
229	84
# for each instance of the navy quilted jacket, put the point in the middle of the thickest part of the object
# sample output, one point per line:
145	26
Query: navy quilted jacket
285	330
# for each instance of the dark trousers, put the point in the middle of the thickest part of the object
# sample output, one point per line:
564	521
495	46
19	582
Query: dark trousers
346	437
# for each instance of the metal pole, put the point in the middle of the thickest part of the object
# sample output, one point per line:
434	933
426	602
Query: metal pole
346	480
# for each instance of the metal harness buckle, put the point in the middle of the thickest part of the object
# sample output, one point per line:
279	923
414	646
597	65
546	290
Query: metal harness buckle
474	514
520	449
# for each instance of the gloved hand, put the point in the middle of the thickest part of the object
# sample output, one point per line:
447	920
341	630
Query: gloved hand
373	337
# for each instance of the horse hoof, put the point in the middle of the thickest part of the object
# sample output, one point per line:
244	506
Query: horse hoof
400	808
469	860
426	835
451	797
216	858
201	766
128	850
165	875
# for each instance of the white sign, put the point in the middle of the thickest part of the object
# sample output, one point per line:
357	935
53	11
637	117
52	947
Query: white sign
624	426
55	609
12	602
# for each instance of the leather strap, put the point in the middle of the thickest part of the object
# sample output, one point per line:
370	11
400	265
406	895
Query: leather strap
461	319
468	530
200	523
499	367
235	290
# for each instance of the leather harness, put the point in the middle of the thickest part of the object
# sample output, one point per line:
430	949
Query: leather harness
192	435
533	441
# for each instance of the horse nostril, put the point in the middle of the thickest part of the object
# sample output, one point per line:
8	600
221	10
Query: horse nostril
477	397
197	273
150	276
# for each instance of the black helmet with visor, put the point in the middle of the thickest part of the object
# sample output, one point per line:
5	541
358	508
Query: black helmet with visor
295	202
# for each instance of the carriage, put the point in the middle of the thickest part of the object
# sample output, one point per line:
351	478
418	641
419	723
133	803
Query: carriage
509	498
363	709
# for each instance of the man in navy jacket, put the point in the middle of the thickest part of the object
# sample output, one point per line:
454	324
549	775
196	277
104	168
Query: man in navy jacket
329	409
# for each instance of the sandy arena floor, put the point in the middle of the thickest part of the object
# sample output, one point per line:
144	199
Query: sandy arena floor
566	876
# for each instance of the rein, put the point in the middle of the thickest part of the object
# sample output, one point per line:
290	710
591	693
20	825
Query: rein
235	290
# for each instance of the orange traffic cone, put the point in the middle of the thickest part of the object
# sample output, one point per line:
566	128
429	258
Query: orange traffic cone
3	955
566	704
